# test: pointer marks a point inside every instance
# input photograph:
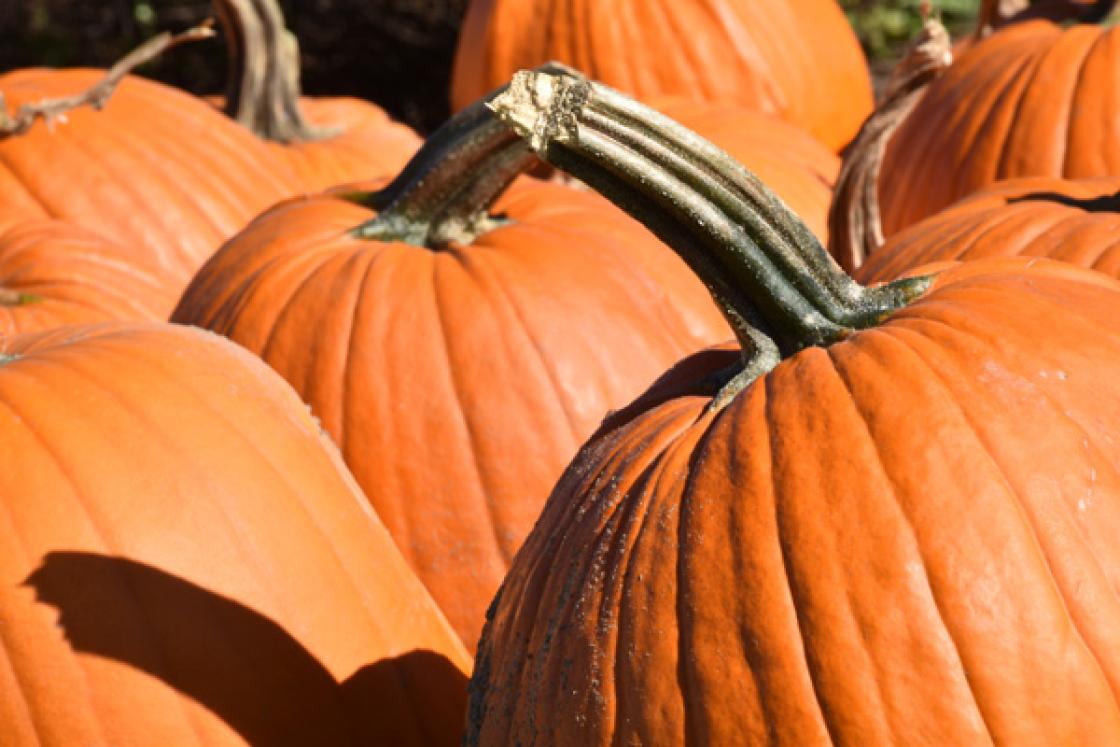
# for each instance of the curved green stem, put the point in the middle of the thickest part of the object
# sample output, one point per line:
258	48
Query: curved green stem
774	282
443	195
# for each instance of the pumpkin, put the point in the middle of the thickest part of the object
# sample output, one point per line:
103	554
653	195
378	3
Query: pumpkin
185	559
164	172
1025	101
1075	221
457	348
54	273
889	517
797	59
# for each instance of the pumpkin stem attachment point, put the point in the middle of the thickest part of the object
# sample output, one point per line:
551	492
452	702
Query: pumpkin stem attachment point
443	195
775	284
263	93
9	297
54	110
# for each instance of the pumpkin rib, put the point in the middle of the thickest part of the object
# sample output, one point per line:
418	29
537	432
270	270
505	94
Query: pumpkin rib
356	262
813	669
936	599
936	603
1068	150
1030	518
460	410
518	315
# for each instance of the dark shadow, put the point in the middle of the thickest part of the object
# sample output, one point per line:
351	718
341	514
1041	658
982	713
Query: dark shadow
1102	204
700	374
241	665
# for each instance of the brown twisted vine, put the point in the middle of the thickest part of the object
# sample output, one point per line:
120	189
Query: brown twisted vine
854	220
55	110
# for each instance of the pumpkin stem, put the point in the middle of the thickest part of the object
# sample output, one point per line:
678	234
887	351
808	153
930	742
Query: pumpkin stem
443	195
9	297
263	92
854	223
775	284
52	110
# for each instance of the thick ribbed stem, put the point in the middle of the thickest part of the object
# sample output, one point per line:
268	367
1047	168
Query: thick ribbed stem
776	285
443	195
263	90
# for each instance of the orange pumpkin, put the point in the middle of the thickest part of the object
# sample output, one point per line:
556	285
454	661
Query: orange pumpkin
797	59
1025	101
458	353
53	273
184	559
894	522
1074	221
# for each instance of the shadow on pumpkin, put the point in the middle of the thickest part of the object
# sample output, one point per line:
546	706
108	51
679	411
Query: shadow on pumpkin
241	665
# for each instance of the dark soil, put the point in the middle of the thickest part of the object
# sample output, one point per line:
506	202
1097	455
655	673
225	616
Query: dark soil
394	52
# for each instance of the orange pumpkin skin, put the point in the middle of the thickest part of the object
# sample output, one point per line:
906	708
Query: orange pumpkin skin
53	273
1025	101
458	383
367	144
1074	221
165	172
791	162
797	59
906	538
184	559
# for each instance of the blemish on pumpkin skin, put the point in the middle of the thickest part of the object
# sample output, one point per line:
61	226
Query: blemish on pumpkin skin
5	358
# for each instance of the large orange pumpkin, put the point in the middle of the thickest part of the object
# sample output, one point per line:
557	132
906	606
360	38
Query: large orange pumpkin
458	353
185	559
1025	101
165	173
896	522
1076	221
797	59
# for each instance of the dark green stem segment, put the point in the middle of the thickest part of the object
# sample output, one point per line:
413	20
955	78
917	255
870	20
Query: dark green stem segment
444	194
775	284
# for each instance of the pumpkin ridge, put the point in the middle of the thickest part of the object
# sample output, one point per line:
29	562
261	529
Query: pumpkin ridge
633	520
781	540
936	602
1101	38
518	315
1029	517
311	264
1022	240
453	387
355	260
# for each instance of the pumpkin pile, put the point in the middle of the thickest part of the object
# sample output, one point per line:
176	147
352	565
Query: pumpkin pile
561	426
